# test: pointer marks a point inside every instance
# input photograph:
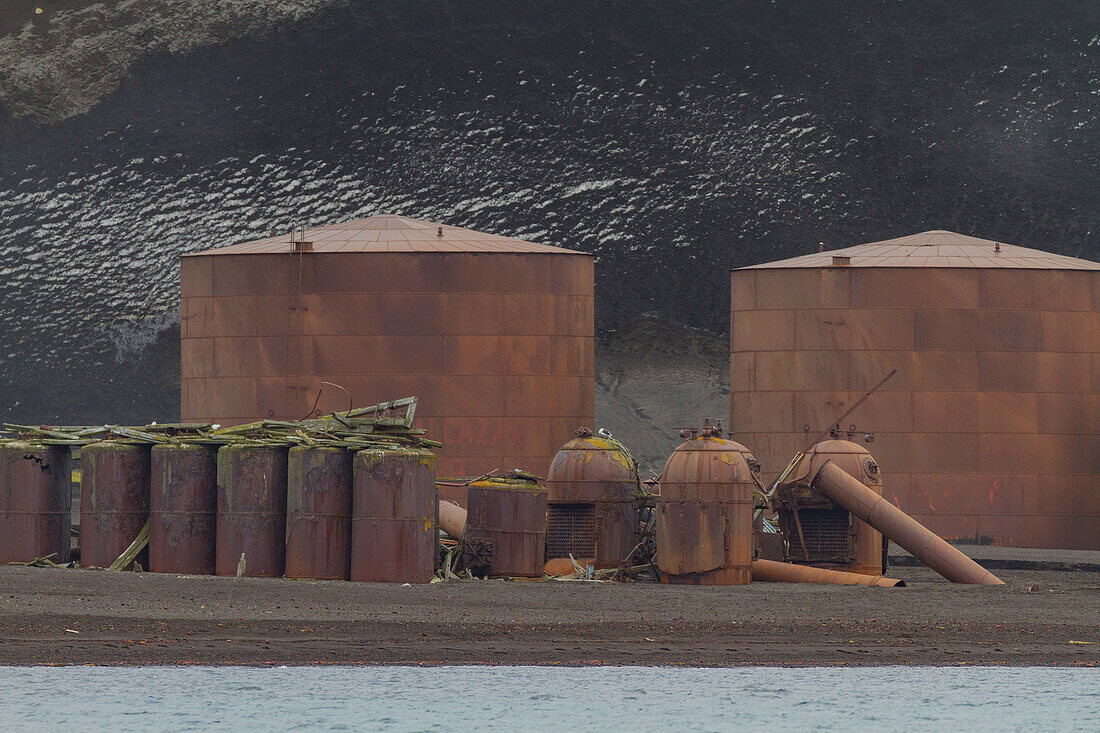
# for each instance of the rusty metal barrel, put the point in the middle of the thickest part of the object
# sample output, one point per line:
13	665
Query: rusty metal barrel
704	514
506	527
592	489
394	517
318	513
35	501
114	499
251	510
183	507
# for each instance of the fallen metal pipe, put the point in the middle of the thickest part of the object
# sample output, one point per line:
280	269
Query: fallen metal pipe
899	527
769	571
452	519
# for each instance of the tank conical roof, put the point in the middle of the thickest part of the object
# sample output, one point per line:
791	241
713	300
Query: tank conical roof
390	233
937	248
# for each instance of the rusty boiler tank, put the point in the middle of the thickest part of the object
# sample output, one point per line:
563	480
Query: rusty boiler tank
318	513
506	527
704	512
251	510
114	500
592	489
35	500
183	506
394	517
821	533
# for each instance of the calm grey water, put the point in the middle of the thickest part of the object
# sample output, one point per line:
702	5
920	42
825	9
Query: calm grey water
548	698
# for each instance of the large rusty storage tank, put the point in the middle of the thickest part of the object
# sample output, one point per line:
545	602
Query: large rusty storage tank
592	488
506	527
183	506
991	428
704	513
494	335
252	510
35	501
394	517
114	500
318	513
818	531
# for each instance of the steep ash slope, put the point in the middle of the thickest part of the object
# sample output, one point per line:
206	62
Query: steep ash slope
673	143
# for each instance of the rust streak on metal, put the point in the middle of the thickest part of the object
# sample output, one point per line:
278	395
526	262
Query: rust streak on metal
114	499
318	513
35	499
591	495
183	506
508	517
395	506
704	513
252	510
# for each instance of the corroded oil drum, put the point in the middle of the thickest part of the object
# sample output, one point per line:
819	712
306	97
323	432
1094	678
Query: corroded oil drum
252	510
183	507
394	517
507	517
114	500
35	500
857	461
591	494
704	514
318	513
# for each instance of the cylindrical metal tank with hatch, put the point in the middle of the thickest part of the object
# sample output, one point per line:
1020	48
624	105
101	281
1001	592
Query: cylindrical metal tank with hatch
704	513
183	508
114	500
592	489
818	531
494	335
252	510
35	501
394	517
318	513
506	527
990	430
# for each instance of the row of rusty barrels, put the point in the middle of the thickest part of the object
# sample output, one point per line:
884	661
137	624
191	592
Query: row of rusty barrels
252	510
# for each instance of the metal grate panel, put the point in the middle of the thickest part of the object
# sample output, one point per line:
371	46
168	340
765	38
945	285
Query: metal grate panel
828	534
571	530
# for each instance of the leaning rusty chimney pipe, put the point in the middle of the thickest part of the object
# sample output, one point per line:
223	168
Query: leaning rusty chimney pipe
452	519
769	571
899	527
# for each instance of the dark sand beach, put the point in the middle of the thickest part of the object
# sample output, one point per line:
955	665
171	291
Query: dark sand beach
1040	617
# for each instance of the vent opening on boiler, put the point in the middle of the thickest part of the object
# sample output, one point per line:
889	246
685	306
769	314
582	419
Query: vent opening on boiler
571	530
828	534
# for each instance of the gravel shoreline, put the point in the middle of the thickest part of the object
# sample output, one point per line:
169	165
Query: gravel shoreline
51	616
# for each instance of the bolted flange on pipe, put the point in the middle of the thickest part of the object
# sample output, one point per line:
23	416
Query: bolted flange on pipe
843	488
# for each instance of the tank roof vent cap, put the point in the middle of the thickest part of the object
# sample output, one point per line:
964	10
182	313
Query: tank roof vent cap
841	260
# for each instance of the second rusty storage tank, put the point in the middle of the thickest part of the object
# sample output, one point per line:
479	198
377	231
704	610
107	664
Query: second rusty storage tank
592	488
318	513
395	517
183	505
114	499
991	428
494	335
35	501
251	510
818	531
506	527
704	513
